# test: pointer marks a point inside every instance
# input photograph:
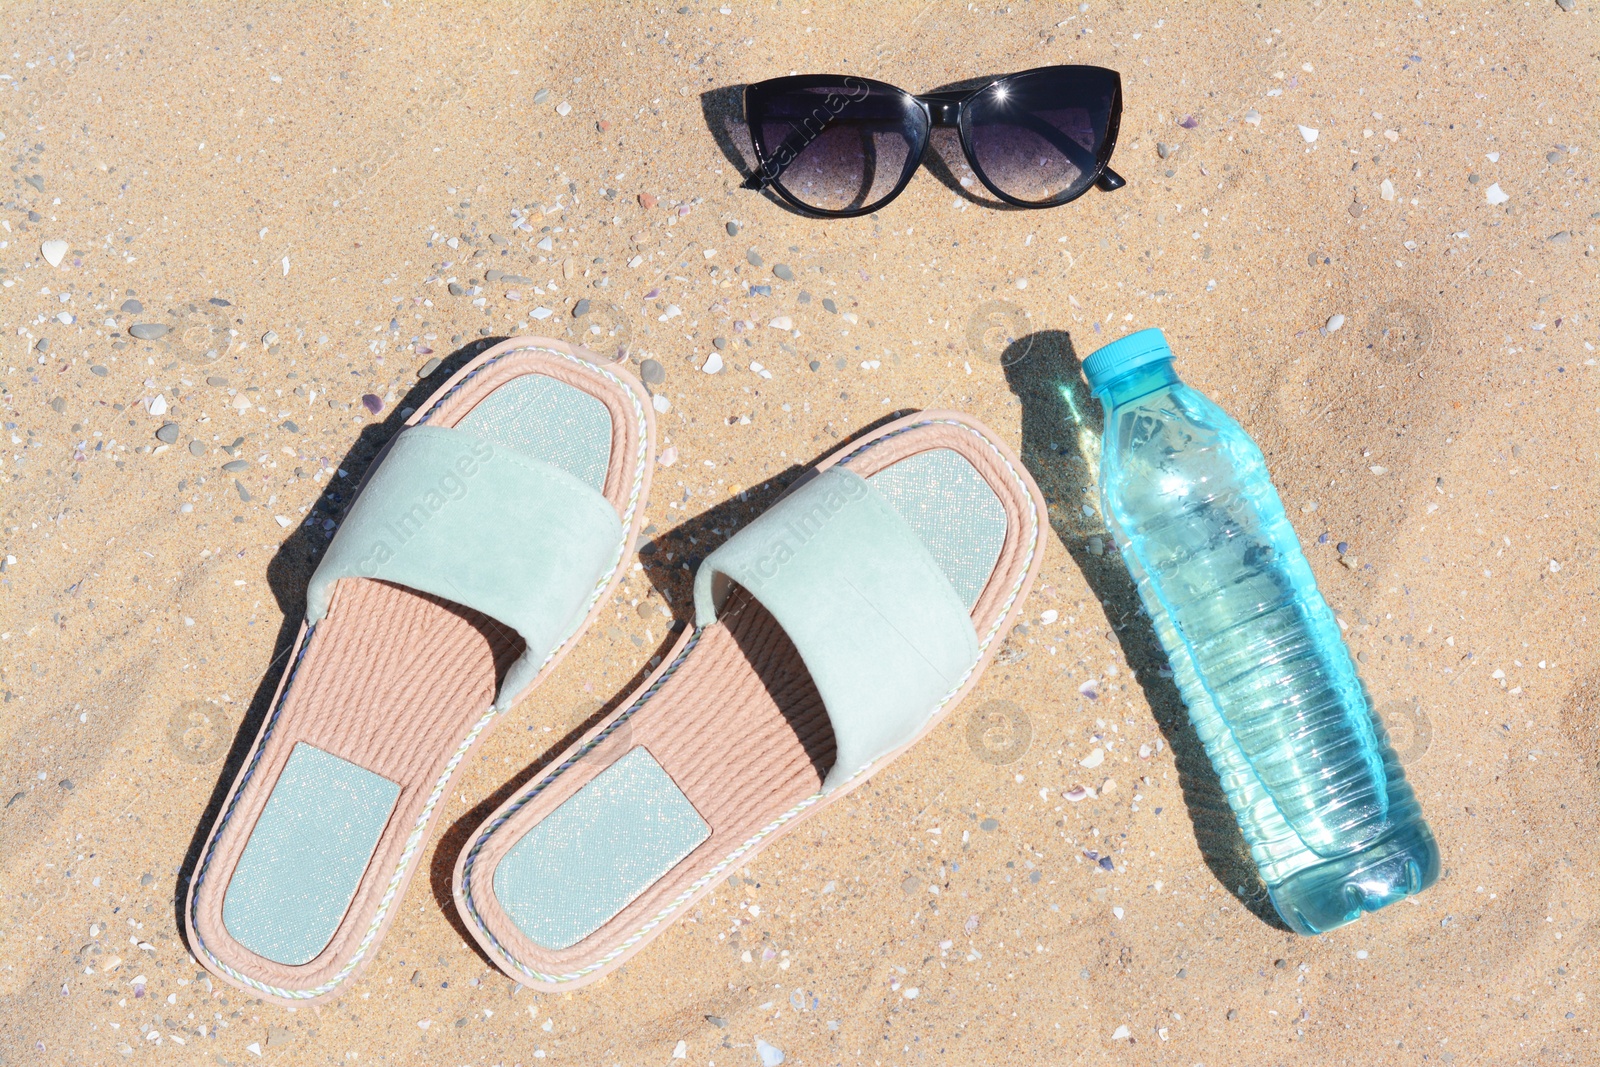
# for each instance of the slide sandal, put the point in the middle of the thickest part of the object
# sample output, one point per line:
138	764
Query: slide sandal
485	539
829	635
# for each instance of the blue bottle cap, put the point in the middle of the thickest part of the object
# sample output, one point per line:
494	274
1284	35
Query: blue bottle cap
1124	354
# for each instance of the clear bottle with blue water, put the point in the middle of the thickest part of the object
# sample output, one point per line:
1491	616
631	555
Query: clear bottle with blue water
1255	651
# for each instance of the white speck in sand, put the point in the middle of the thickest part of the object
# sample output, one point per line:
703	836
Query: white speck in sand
1386	190
1308	132
54	252
1093	759
1121	1033
681	1051
1048	617
1496	195
782	322
1253	117
712	364
770	1055
661	404
1334	322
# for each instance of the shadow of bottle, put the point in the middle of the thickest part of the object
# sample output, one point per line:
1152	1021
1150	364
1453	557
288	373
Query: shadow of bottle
1061	429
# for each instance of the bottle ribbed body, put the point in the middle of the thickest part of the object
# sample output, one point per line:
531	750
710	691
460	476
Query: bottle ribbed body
1257	655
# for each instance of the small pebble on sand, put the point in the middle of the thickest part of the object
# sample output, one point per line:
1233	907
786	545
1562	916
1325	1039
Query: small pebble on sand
372	402
168	434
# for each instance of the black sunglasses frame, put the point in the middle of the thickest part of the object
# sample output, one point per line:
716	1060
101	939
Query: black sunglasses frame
946	108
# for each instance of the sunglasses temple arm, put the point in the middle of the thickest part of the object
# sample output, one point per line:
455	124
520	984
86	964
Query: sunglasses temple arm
771	170
1081	158
1109	180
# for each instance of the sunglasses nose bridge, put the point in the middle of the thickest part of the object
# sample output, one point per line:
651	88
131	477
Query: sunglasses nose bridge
942	112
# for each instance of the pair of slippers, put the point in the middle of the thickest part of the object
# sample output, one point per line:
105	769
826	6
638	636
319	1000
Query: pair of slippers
829	634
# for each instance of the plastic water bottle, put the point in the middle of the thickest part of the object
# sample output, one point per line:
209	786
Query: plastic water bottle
1255	651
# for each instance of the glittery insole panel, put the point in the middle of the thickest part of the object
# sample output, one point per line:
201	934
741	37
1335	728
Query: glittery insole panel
607	844
306	855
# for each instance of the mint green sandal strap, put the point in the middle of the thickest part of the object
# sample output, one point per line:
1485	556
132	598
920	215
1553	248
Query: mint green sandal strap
449	513
879	626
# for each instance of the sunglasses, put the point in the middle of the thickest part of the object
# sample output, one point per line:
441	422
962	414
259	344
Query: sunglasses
841	146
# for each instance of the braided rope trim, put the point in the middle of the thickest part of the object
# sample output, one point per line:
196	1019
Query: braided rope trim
414	840
717	869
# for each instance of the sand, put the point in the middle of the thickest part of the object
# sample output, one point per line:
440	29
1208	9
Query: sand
290	190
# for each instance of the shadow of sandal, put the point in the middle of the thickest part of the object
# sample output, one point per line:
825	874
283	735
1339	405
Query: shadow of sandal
1061	430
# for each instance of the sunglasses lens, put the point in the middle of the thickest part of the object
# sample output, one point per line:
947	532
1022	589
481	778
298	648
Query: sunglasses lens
1038	137
839	147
